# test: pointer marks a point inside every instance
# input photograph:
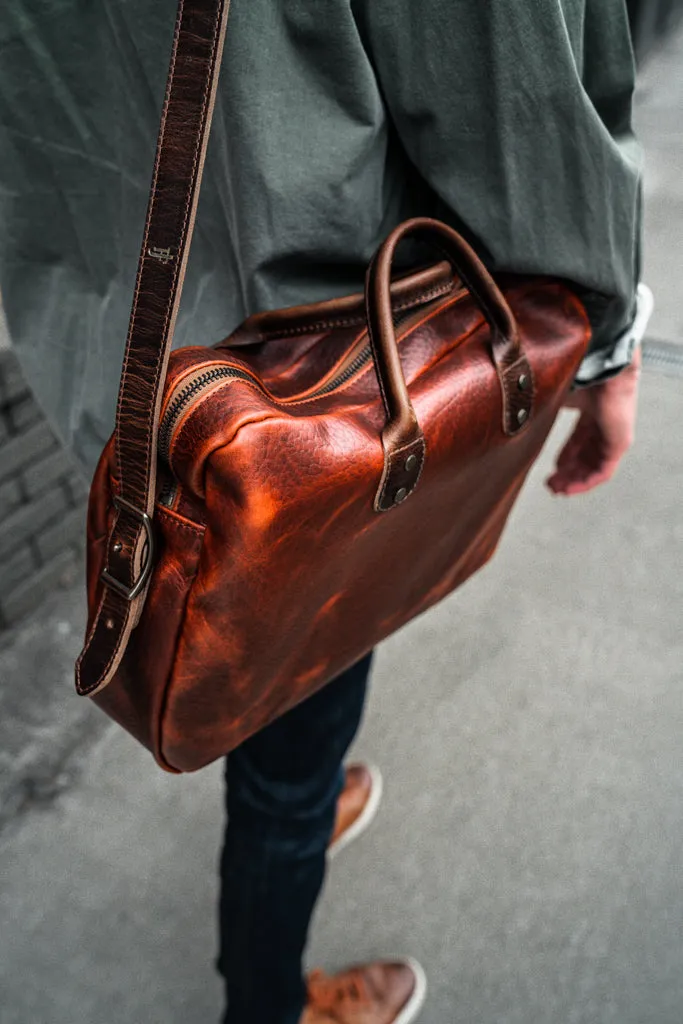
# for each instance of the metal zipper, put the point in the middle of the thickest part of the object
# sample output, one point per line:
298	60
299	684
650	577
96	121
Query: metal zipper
354	366
212	377
178	405
358	361
208	380
188	393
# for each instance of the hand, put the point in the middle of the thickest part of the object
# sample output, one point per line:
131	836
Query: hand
603	434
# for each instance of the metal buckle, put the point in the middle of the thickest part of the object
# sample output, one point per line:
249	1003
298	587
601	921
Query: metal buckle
130	593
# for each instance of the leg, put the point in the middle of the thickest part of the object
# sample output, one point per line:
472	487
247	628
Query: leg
283	786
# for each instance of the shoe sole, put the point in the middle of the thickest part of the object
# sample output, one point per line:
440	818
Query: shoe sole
365	819
414	1005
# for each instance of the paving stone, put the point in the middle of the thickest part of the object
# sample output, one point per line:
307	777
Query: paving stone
17	568
42	721
28	520
68	531
40	475
12	383
29	594
4	336
18	452
78	488
10	496
24	414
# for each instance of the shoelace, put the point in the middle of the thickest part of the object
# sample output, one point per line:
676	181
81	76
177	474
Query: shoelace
332	995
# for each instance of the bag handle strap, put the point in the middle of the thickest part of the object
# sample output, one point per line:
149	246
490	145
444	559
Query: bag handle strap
178	166
402	438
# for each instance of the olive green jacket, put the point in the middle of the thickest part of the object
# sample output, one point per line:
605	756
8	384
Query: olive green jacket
336	119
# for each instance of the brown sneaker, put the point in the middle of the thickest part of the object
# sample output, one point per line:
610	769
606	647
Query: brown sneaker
357	805
380	993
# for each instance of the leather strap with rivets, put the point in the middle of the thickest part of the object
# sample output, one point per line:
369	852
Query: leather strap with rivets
402	439
180	153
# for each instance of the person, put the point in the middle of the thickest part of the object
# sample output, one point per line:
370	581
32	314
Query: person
510	120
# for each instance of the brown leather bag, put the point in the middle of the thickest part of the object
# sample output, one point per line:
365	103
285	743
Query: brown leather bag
270	509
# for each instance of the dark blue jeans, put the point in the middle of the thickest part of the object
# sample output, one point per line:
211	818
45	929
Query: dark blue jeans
282	789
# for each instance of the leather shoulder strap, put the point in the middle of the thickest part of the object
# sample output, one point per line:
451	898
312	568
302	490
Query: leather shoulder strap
181	149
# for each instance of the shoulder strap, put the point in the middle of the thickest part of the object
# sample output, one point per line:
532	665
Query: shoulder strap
181	149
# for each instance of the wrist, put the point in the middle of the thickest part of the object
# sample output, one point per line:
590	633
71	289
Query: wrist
604	365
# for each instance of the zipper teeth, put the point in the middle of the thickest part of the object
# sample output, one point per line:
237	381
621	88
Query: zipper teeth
345	375
355	365
187	394
168	494
182	400
191	391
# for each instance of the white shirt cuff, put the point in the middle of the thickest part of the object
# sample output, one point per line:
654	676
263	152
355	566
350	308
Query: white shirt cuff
606	363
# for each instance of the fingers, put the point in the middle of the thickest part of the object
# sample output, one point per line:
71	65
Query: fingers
579	459
569	484
585	462
602	436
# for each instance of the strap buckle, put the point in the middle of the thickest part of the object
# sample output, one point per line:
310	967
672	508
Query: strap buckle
130	593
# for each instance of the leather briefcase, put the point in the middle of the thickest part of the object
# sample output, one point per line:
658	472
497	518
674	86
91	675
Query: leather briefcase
269	509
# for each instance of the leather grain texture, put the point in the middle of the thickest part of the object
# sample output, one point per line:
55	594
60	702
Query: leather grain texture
275	572
181	149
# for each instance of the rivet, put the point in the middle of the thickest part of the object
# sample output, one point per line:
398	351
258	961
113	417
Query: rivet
521	416
401	495
411	463
118	546
109	623
523	381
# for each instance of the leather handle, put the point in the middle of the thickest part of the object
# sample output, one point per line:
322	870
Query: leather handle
402	438
181	150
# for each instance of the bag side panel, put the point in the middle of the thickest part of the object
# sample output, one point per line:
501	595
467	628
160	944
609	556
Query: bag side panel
135	697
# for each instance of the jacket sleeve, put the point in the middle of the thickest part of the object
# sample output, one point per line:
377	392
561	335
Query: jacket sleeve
517	114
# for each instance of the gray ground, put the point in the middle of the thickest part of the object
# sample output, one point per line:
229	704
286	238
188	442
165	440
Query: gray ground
529	729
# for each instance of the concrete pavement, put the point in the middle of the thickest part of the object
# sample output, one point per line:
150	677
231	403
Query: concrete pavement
659	122
528	849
